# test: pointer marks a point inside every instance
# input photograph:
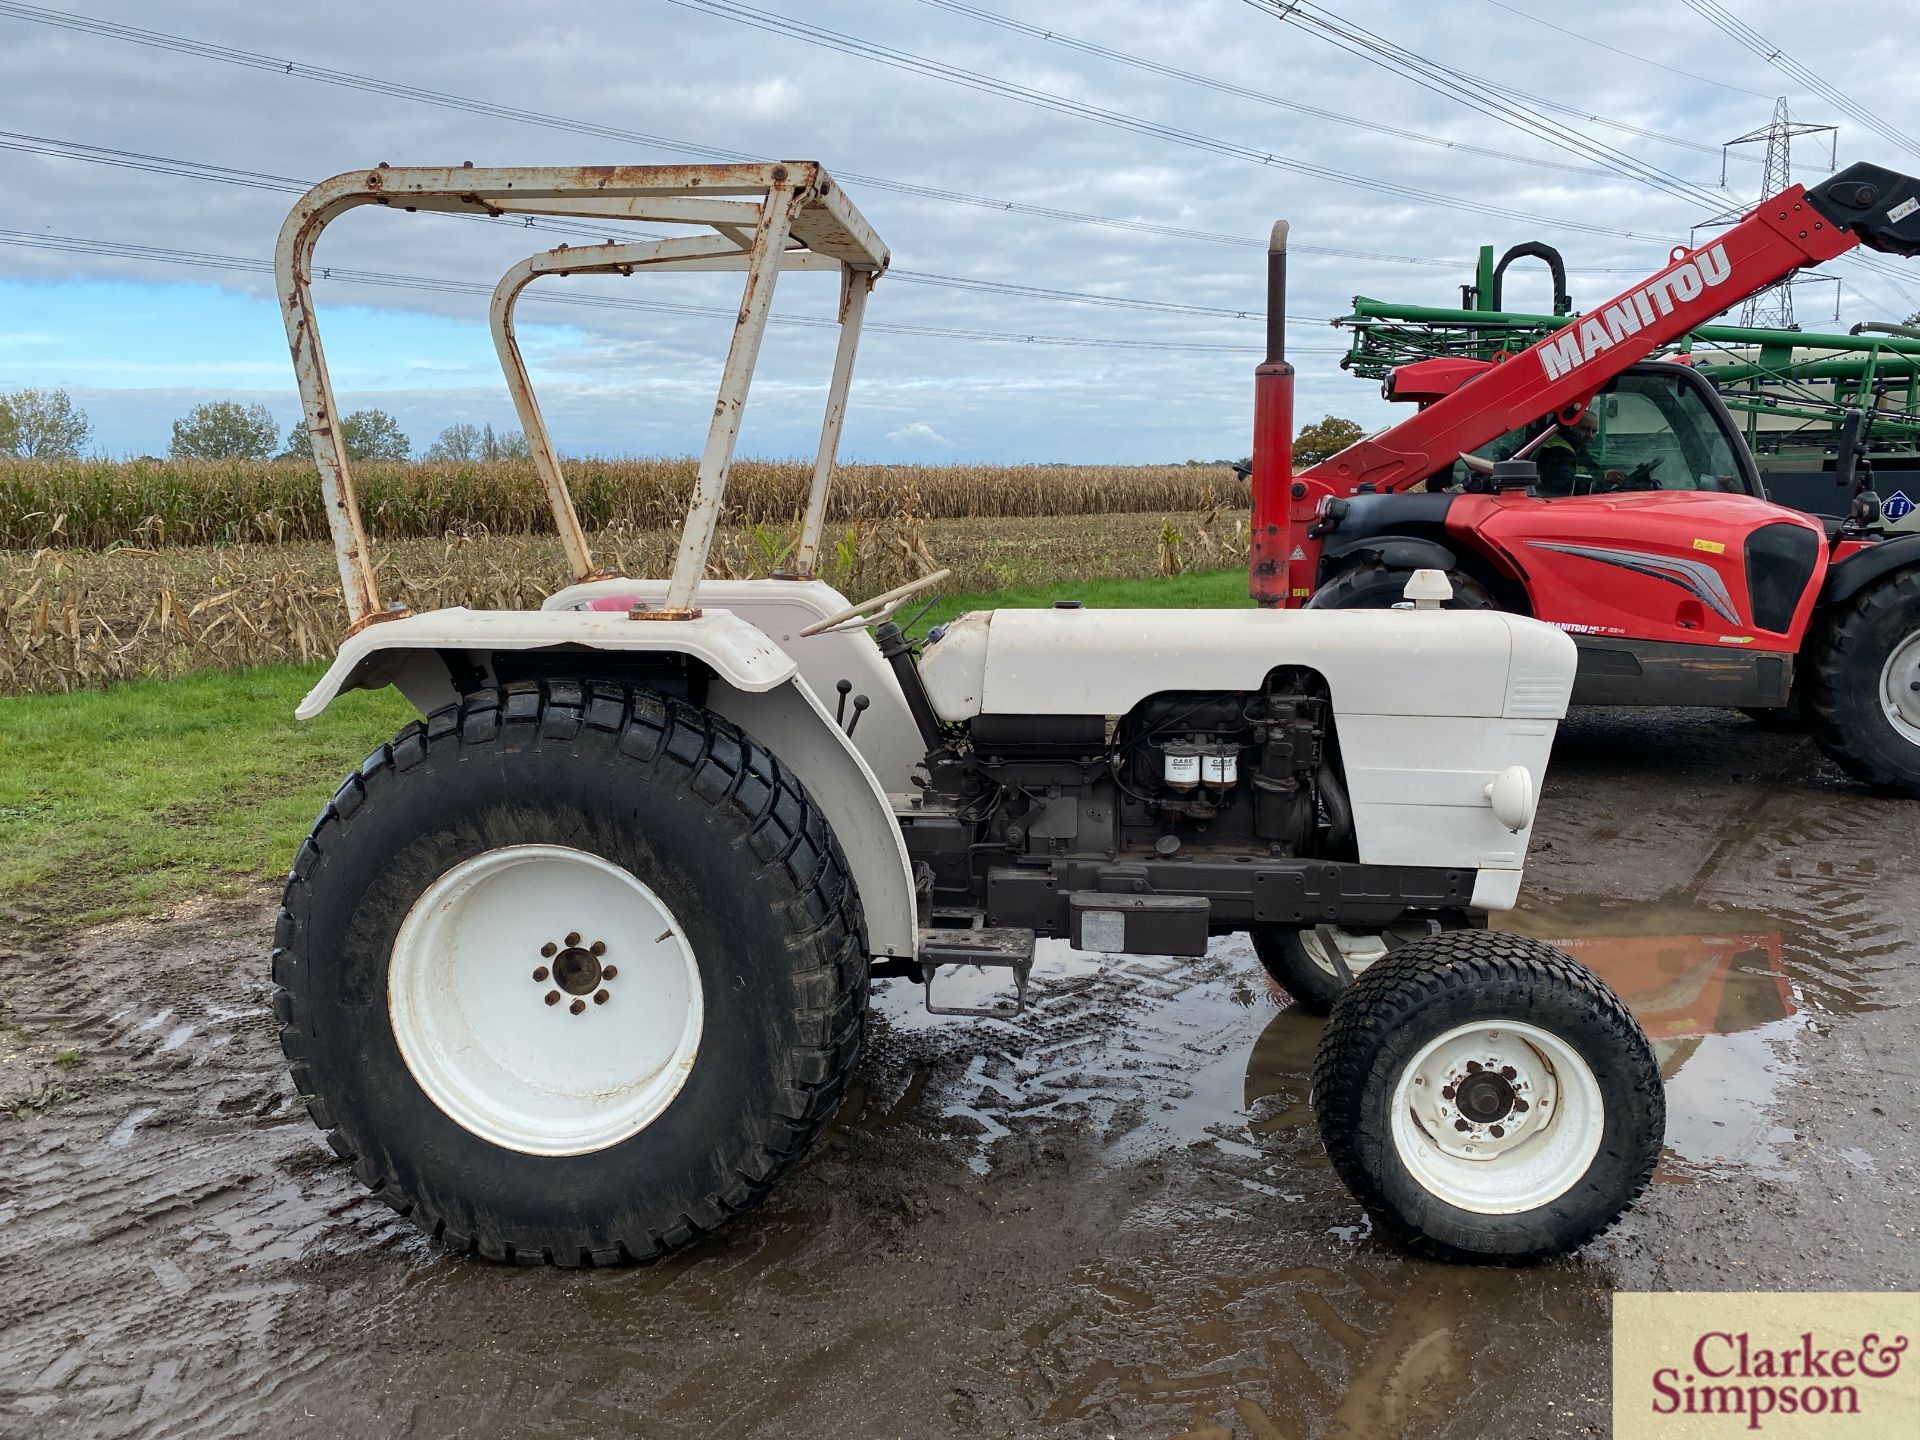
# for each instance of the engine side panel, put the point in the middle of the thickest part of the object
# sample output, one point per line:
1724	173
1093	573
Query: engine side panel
1426	709
1104	662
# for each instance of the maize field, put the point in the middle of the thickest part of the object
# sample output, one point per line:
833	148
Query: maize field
153	504
73	617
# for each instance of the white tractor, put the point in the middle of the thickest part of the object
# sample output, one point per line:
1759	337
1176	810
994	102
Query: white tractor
576	968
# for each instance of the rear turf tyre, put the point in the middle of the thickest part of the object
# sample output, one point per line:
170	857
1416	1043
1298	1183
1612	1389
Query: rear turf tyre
1423	1042
1380	587
1863	684
1301	962
570	973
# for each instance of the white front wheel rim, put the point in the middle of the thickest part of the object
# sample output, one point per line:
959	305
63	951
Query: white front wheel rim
1358	949
545	999
1497	1117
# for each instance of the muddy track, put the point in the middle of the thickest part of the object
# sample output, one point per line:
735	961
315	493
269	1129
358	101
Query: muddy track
1109	1216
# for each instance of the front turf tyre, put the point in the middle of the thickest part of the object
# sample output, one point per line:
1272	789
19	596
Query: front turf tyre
1863	684
1487	1099
570	973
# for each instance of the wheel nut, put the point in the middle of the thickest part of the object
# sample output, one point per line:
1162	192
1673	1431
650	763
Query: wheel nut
548	949
601	997
599	947
1447	1094
607	972
577	1006
1499	1132
1460	1124
540	973
573	937
553	997
1509	1072
1473	1067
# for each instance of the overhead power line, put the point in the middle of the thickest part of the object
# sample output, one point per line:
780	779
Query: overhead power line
1226	87
285	184
1629	54
772	23
1512	108
1468	90
299	70
1719	16
382	279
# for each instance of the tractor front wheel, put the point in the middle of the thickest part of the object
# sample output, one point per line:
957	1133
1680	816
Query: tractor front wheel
570	973
1863	684
1315	966
1487	1099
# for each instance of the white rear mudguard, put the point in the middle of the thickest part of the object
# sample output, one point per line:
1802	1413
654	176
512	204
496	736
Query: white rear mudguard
756	685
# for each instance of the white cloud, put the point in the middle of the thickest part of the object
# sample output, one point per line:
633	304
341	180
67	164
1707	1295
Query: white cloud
918	432
720	84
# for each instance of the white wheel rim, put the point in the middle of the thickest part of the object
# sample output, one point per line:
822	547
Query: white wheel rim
1900	688
1358	950
468	991
1497	1117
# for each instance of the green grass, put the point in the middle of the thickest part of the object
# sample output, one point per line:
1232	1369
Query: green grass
122	801
125	801
1206	590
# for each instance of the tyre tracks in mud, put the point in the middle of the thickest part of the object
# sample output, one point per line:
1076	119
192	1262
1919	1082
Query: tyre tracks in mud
1108	1216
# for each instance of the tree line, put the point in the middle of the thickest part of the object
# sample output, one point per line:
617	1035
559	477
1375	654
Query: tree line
47	425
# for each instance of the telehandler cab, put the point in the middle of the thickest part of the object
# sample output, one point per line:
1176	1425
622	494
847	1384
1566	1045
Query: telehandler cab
576	967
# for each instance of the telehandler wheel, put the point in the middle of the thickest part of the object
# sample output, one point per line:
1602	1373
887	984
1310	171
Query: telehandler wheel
1301	962
570	973
1863	684
1487	1099
1382	587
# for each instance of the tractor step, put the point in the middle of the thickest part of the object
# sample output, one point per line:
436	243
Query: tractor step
985	946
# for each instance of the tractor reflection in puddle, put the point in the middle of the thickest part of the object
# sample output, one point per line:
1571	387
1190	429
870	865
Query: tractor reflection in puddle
1712	990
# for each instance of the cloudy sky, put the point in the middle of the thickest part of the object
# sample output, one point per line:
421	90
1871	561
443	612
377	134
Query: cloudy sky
1160	140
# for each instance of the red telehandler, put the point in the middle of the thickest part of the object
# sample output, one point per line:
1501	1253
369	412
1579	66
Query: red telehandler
1581	483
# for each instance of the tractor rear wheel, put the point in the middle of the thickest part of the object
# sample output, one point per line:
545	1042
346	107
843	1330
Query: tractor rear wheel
1382	587
1863	684
570	973
1488	1099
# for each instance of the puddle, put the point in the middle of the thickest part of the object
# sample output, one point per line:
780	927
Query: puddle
1720	995
1144	1055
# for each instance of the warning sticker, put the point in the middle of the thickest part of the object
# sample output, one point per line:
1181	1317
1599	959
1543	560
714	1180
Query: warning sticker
1896	506
1299	553
1904	209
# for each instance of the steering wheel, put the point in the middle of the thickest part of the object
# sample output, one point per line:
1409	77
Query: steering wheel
1638	478
871	612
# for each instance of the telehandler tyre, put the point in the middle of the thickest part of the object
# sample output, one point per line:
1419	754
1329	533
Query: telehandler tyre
1487	1099
1382	587
1863	684
570	973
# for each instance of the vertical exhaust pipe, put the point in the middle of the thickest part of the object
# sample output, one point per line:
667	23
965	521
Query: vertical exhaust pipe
1272	538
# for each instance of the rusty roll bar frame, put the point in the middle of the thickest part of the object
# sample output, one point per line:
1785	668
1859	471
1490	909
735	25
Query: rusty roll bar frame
765	218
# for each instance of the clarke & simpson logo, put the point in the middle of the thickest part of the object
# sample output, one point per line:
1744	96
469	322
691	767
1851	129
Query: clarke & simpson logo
1779	1365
